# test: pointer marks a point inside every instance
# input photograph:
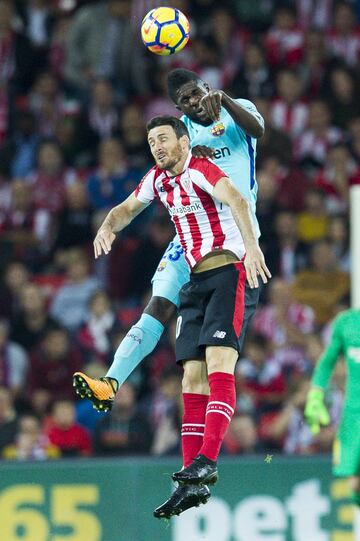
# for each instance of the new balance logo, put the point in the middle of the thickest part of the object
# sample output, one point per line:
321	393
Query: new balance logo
219	334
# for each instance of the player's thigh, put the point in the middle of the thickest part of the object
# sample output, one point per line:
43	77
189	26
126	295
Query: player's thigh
346	449
195	377
225	308
251	302
171	274
189	324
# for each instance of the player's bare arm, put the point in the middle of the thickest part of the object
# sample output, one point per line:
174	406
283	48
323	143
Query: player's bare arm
117	219
254	262
215	99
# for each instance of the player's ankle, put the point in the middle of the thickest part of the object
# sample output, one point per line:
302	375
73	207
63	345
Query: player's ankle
113	382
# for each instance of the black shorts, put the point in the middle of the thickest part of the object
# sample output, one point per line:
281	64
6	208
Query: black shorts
216	307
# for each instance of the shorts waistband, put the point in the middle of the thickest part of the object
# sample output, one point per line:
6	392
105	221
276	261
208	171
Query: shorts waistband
199	276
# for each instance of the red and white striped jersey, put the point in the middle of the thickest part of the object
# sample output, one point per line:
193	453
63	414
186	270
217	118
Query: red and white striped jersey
202	223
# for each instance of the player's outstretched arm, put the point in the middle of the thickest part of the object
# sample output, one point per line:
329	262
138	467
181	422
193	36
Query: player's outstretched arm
117	219
225	192
315	411
251	123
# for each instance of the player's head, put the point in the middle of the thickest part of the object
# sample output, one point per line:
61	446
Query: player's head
168	139
186	89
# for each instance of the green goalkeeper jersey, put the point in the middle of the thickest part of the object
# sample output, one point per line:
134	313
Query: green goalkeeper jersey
345	341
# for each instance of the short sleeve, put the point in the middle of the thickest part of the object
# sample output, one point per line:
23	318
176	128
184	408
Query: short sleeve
250	108
206	174
144	191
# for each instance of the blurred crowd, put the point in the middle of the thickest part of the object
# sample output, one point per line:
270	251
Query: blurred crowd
76	87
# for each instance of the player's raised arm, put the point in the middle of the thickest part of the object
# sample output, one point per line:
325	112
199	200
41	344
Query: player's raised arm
116	220
226	193
249	120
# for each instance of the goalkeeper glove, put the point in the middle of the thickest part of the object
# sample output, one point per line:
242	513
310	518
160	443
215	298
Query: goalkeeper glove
315	411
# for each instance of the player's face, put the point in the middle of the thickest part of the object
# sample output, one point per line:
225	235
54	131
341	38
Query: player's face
188	101
165	147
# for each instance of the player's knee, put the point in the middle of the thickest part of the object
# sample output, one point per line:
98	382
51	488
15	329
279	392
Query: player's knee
220	359
161	309
195	378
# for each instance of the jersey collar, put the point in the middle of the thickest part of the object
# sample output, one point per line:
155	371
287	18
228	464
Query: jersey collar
186	165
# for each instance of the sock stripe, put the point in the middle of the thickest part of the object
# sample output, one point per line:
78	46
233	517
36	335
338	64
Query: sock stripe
192	433
193	424
219	411
221	404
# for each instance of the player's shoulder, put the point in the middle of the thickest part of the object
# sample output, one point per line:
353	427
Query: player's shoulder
247	104
201	164
346	316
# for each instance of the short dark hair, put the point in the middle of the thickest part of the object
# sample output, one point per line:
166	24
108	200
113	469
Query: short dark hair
177	125
177	78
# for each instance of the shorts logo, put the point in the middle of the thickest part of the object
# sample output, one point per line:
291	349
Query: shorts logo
178	327
162	266
219	334
218	129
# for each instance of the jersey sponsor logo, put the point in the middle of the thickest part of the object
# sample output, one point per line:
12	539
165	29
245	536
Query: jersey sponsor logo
222	153
218	129
181	210
219	334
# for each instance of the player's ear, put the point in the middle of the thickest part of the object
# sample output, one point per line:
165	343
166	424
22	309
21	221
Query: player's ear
207	86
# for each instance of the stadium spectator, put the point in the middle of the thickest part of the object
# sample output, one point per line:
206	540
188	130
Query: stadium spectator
94	335
135	139
285	253
101	43
13	361
344	38
311	147
74	224
8	418
313	221
342	97
69	306
284	41
32	320
339	173
15	276
289	112
102	117
323	284
114	180
253	79
314	63
241	438
52	365
63	432
338	236
125	430
274	142
30	442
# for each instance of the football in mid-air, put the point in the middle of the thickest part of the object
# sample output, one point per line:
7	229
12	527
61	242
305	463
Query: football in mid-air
165	30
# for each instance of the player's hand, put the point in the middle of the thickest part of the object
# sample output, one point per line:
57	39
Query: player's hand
211	102
202	151
255	266
315	412
103	241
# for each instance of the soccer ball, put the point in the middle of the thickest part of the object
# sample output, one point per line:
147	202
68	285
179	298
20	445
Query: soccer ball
165	30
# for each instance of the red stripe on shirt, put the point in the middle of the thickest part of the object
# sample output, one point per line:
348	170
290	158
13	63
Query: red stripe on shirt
213	216
192	222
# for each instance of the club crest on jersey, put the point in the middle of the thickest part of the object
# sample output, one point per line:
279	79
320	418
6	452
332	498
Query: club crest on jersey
162	266
218	129
186	183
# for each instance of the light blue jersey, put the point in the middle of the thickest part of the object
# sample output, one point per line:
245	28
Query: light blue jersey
235	153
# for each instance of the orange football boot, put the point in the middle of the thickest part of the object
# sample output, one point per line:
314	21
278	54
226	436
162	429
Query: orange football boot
101	391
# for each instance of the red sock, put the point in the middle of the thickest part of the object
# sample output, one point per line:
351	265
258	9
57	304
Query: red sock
219	412
192	431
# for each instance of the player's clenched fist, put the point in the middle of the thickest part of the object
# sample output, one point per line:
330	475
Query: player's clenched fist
211	102
103	241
